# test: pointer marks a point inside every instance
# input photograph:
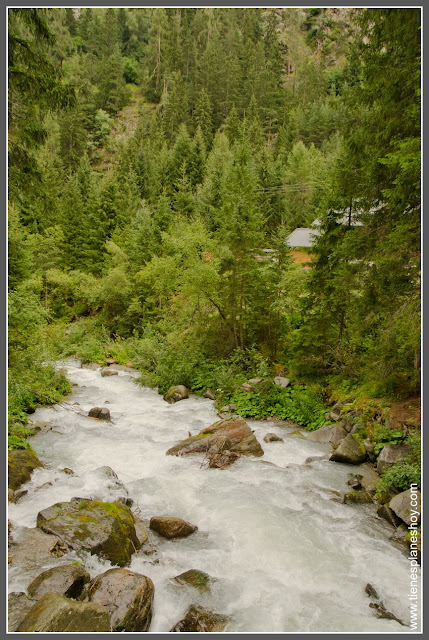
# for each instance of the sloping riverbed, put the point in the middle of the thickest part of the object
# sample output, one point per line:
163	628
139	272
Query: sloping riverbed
287	556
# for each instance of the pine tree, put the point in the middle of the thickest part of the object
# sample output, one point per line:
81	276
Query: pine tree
35	88
203	117
197	159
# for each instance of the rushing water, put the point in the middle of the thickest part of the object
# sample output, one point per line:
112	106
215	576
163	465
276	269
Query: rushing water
287	557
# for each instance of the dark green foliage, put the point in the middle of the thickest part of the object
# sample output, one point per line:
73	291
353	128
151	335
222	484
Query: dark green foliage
300	405
35	88
158	222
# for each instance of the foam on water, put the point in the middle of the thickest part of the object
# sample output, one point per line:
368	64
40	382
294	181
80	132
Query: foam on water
287	557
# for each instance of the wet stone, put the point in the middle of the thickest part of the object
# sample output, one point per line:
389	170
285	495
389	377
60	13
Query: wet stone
170	527
194	578
200	619
67	580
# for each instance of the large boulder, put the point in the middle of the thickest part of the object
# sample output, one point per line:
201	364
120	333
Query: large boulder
170	527
390	454
234	431
126	595
200	619
105	529
332	433
21	464
407	506
194	578
101	413
349	451
54	612
67	580
18	605
210	394
174	394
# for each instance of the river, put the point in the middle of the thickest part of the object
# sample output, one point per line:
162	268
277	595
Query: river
286	555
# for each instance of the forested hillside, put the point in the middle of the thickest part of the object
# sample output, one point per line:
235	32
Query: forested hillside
154	154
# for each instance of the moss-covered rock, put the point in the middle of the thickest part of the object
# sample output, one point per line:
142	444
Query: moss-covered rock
21	464
128	596
200	619
194	578
174	394
357	497
67	580
105	529
57	613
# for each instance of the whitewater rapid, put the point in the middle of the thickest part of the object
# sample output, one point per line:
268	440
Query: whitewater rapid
286	555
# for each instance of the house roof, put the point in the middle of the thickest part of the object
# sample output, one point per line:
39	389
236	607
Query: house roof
302	237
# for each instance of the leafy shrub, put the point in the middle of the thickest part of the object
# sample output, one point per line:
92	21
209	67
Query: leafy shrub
130	70
302	406
383	435
399	476
31	385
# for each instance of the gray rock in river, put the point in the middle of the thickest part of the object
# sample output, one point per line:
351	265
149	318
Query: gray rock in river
105	529
55	613
174	394
170	527
101	413
67	580
93	366
236	431
127	596
196	579
357	497
107	371
296	434
111	489
349	451
31	549
200	619
272	437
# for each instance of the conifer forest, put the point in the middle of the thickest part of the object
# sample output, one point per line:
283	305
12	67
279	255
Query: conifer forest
228	202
